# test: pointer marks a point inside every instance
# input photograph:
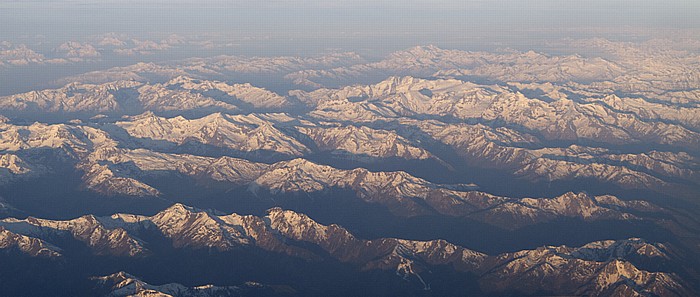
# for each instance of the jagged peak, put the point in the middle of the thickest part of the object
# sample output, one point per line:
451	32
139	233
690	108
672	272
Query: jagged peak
274	210
278	214
32	246
145	115
179	208
299	163
621	249
215	117
107	86
145	64
175	213
608	243
14	164
532	54
304	166
421	50
288	213
295	224
575	196
88	218
117	277
180	79
252	119
395	81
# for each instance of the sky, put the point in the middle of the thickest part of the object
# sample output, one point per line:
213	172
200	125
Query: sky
338	18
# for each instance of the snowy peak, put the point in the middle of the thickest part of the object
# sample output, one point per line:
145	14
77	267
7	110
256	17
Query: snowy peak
129	96
399	191
363	142
122	284
571	204
190	227
73	140
74	97
620	249
414	91
297	226
14	164
424	51
87	229
622	278
176	212
241	133
567	273
102	179
297	175
410	258
596	268
31	246
246	93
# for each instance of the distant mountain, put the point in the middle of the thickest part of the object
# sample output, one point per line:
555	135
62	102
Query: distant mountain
560	119
131	97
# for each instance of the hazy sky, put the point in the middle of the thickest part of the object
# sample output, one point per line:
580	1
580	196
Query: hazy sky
337	18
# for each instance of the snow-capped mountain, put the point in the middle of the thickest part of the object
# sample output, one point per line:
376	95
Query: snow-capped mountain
597	269
245	93
430	171
364	142
98	152
14	164
13	167
129	97
517	151
122	284
562	119
86	229
403	194
660	69
241	133
28	245
567	274
611	249
73	140
505	66
74	97
103	179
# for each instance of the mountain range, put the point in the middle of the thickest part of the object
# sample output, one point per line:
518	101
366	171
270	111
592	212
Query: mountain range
430	172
